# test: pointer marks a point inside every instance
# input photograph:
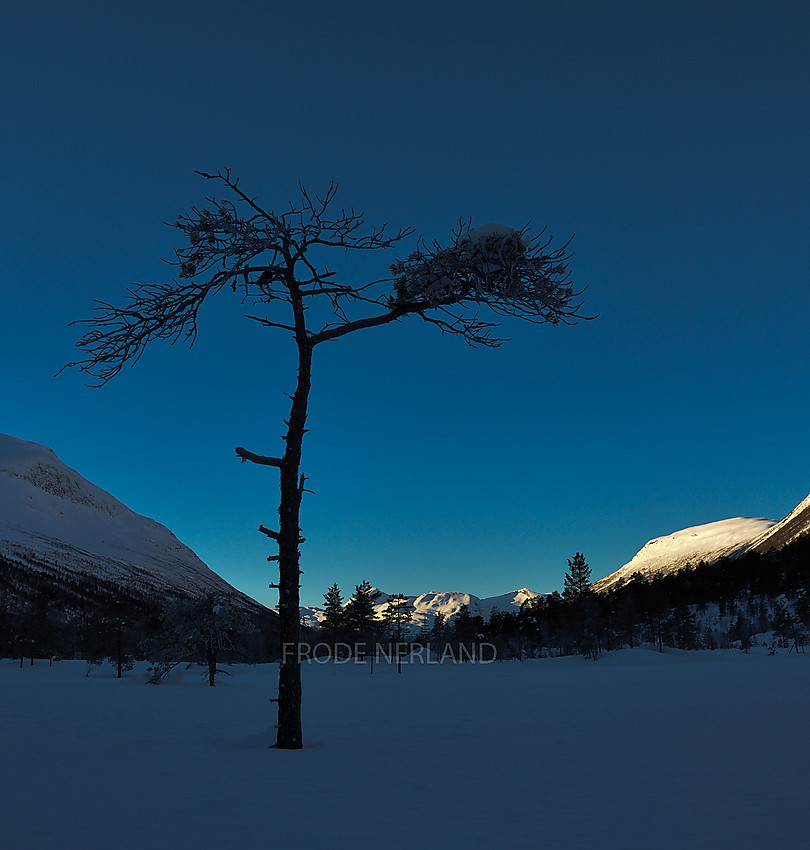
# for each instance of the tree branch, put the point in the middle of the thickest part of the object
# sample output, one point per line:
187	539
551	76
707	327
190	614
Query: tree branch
270	533
244	454
371	322
268	324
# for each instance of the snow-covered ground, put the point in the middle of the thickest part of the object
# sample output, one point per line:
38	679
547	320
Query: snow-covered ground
637	750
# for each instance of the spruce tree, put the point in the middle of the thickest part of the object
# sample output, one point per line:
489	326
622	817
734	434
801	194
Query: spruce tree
334	615
361	615
578	578
577	591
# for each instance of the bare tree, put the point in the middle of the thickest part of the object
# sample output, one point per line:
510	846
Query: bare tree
272	261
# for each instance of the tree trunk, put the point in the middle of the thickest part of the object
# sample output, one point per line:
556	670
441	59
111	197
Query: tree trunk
292	486
212	665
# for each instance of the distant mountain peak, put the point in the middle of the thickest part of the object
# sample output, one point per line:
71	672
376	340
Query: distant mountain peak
426	606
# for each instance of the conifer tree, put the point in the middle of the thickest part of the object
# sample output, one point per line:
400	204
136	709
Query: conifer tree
361	615
438	632
578	578
577	591
397	612
464	629
334	615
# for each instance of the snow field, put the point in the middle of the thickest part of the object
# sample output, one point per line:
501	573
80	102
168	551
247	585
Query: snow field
637	750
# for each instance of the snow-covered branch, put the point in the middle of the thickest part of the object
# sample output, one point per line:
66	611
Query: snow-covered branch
493	266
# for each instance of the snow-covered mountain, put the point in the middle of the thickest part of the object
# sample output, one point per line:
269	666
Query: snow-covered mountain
688	547
793	526
710	542
52	519
426	606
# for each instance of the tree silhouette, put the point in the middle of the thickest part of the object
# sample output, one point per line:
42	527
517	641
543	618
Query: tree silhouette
334	615
395	615
577	580
577	592
360	615
272	262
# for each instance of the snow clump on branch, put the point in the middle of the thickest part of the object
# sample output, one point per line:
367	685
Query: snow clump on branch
489	231
493	265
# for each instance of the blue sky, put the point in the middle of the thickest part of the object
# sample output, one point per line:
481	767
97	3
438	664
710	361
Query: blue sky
670	138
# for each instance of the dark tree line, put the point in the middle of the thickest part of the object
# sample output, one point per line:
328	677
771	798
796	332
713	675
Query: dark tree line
48	613
356	625
746	596
749	595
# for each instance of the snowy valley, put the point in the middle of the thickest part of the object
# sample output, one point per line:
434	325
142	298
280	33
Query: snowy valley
639	750
57	527
513	741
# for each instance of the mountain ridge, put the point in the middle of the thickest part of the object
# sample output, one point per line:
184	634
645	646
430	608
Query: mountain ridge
709	543
425	606
793	526
51	517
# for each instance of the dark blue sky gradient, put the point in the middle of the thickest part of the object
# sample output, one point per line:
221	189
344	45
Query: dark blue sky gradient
671	138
